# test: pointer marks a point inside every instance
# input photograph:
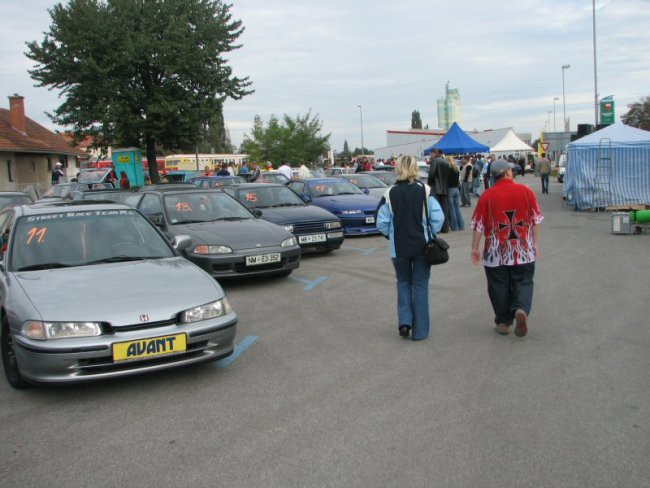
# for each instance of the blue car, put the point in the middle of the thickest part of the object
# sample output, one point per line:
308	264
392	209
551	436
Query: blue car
316	229
356	210
216	181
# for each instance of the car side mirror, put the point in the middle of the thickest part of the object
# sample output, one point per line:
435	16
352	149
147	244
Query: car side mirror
306	198
257	212
156	219
181	243
366	191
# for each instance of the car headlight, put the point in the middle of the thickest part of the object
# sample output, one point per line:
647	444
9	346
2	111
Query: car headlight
60	330
288	227
291	241
351	212
207	311
333	225
204	249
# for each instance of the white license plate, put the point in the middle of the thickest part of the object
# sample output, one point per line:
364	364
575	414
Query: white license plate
273	257
370	220
311	238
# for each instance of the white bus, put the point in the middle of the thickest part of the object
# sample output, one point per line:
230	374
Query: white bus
197	162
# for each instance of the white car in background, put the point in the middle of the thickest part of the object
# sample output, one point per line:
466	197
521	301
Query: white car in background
561	168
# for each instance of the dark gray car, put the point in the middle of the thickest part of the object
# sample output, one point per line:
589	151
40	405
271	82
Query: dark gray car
228	240
138	305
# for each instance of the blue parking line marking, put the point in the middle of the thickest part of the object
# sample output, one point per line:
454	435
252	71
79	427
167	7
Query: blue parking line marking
309	284
239	349
364	252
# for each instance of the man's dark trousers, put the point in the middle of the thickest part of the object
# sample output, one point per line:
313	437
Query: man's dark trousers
510	288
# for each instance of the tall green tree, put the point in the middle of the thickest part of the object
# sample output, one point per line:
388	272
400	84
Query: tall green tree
416	120
346	154
638	114
139	72
291	139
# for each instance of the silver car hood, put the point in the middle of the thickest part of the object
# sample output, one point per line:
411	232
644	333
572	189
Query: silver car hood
119	293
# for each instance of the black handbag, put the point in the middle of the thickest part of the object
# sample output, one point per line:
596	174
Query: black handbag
435	250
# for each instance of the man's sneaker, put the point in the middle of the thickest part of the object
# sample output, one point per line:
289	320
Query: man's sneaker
521	329
503	329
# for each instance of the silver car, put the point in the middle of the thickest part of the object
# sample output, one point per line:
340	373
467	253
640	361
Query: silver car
137	306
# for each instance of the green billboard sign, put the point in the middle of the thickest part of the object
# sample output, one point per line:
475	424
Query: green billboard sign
607	113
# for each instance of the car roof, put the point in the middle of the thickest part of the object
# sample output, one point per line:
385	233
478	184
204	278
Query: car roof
260	185
67	205
183	191
168	187
13	194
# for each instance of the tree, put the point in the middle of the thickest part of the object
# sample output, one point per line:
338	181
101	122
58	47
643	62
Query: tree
362	151
292	139
141	73
416	120
638	114
346	154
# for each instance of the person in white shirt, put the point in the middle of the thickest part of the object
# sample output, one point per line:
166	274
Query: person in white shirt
303	171
285	169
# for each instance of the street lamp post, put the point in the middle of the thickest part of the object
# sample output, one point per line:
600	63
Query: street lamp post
361	120
564	66
593	6
555	99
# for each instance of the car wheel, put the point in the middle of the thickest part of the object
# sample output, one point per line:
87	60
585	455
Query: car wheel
12	371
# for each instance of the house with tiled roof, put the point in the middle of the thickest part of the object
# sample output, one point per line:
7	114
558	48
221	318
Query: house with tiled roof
29	151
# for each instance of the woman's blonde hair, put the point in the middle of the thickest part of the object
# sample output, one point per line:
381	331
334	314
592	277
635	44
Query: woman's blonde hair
452	163
407	168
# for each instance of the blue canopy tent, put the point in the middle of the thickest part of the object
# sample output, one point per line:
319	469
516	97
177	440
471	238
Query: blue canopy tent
456	141
609	168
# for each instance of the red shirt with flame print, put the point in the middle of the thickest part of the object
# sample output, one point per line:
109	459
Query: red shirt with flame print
506	213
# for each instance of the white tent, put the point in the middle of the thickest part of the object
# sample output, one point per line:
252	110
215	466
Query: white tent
510	143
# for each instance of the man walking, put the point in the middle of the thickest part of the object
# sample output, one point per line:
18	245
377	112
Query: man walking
465	182
508	215
438	180
544	166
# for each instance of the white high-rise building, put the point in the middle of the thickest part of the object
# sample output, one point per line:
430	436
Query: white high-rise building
449	108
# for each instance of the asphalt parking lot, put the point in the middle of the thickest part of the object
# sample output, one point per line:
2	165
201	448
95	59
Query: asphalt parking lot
323	392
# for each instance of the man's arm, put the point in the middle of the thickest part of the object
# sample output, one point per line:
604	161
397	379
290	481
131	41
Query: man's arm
431	179
476	240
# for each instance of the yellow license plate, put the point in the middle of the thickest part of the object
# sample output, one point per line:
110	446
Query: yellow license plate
145	348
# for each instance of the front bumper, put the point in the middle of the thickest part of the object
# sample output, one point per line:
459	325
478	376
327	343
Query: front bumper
89	359
333	240
359	226
234	265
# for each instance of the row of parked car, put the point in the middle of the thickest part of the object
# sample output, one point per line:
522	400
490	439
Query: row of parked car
140	250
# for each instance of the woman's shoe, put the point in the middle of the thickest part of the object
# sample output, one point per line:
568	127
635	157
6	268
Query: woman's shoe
404	330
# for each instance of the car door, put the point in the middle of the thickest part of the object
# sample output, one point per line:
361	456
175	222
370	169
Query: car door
6	224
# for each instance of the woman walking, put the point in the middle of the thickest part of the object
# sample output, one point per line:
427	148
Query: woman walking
456	221
402	218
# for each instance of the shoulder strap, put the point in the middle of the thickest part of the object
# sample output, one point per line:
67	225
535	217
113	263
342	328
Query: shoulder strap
426	211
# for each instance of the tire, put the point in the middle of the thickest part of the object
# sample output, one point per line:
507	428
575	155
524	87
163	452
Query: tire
12	371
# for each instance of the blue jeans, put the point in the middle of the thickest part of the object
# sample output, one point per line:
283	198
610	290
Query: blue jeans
413	294
455	217
465	195
544	182
510	288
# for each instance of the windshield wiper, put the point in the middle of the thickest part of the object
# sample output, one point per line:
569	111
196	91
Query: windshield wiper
118	259
287	205
35	267
233	218
191	222
347	193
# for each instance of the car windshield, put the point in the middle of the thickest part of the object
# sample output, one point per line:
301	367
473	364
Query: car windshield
92	175
331	187
204	206
387	178
365	181
61	190
113	196
273	178
272	196
81	238
11	200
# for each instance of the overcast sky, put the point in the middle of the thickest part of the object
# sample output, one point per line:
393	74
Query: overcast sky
504	56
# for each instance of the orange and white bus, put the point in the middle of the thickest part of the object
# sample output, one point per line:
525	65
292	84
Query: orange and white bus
196	162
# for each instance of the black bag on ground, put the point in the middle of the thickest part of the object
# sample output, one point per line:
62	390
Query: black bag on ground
435	250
